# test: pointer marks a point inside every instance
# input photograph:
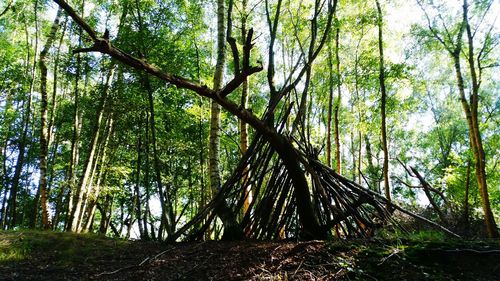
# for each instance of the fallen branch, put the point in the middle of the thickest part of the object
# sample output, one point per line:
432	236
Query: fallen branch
149	259
474	251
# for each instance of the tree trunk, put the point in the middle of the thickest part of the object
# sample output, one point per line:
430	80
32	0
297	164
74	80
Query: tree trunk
137	195
330	105
339	99
26	122
214	136
75	139
5	133
470	108
244	101
85	182
371	168
466	196
425	185
105	211
146	177
385	168
44	134
92	202
167	216
477	143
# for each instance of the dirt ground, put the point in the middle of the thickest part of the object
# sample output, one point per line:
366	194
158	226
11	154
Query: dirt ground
63	257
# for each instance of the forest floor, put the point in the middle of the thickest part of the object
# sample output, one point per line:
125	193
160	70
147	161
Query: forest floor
36	255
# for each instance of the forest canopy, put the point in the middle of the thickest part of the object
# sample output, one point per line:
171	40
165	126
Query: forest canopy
171	120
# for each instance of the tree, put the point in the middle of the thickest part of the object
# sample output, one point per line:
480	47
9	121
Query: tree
452	41
44	135
383	98
214	137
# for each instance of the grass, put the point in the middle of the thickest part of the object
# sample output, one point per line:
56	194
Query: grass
58	247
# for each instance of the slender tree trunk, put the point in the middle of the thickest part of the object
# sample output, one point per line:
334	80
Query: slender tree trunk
353	151
75	139
92	202
5	131
359	108
201	143
330	105
466	196
470	108
44	134
214	136
53	138
147	185
137	196
167	217
475	132
371	167
105	211
360	156
244	102
385	168
84	183
26	122
339	99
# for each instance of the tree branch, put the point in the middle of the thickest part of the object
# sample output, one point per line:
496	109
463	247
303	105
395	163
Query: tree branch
77	19
6	8
103	45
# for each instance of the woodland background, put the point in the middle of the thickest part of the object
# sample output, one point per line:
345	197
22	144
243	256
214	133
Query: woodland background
88	144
